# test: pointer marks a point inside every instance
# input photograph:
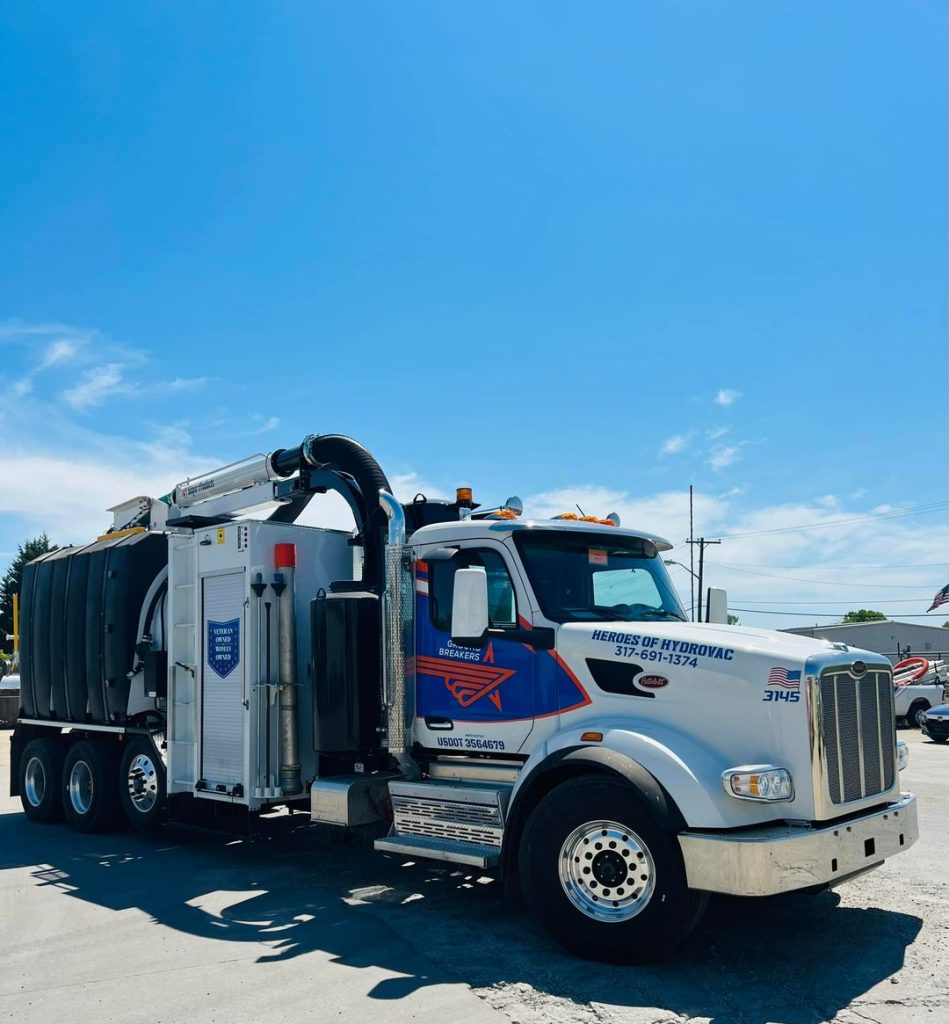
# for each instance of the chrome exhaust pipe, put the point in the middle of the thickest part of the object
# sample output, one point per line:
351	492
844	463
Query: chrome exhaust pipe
397	638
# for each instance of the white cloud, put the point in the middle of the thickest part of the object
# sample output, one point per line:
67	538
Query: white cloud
673	445
727	396
722	457
19	330
96	385
716	432
102	382
181	383
66	494
665	513
60	351
119	370
818	553
260	425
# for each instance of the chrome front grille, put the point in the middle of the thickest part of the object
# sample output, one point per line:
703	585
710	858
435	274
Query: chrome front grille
858	731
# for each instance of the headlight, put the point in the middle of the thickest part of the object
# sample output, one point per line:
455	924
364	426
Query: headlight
902	753
758	782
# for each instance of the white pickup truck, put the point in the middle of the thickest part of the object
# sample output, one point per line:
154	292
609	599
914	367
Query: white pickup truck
920	685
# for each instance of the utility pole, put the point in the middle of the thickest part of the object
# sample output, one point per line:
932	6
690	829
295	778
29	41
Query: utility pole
691	558
703	544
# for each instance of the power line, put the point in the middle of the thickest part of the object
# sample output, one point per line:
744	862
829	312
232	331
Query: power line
850	603
826	583
871	516
829	565
821	615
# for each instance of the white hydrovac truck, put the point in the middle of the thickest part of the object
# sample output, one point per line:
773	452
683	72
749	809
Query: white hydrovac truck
520	696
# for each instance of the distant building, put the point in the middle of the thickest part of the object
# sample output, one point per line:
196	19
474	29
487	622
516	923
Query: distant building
894	639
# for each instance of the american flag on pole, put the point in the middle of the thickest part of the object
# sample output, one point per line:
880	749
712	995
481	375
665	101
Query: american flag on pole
786	680
941	597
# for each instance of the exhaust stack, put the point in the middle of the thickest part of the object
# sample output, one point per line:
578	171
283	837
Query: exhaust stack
397	636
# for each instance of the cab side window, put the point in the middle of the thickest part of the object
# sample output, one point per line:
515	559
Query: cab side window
502	604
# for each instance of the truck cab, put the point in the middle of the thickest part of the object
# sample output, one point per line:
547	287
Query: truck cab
556	671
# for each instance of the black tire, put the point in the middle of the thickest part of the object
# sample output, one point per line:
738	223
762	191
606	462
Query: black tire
142	784
40	769
914	709
649	921
90	794
938	739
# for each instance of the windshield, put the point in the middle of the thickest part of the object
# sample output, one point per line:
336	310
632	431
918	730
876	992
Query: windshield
597	578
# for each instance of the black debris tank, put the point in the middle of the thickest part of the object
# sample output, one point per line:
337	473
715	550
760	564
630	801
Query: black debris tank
81	609
77	694
132	565
346	663
38	625
93	629
58	565
27	590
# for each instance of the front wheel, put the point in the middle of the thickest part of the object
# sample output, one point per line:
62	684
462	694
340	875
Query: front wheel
602	877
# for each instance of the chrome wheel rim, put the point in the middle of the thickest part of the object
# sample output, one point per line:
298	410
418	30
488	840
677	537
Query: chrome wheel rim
80	787
607	871
921	717
143	783
34	782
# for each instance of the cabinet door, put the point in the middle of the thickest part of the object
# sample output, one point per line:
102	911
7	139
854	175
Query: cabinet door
222	679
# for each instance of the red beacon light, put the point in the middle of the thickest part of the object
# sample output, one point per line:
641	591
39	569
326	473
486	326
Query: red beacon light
285	556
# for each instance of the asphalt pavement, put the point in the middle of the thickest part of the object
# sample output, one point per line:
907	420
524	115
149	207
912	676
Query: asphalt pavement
298	925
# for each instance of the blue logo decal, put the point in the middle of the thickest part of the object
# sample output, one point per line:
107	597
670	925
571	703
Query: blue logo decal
224	646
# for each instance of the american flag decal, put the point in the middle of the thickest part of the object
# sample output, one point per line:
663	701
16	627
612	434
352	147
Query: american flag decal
786	680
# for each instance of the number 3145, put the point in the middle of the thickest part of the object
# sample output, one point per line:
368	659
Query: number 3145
789	696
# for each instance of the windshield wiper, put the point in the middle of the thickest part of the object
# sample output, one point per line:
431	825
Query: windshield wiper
664	613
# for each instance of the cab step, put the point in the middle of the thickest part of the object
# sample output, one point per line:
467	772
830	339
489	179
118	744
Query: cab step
462	822
441	849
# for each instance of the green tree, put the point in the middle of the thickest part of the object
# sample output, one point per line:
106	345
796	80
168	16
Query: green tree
10	583
733	620
864	615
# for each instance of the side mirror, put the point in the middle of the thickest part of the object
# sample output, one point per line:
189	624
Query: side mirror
716	606
469	607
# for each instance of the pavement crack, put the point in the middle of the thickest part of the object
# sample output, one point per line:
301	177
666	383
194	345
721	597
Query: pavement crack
122	977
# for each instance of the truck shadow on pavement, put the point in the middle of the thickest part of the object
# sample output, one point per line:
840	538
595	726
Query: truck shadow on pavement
798	959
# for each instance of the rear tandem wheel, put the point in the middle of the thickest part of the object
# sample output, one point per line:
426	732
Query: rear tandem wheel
40	769
89	789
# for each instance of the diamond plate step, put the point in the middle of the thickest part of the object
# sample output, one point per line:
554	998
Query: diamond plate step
441	849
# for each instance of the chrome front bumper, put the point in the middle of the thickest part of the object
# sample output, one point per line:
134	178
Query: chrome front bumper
765	861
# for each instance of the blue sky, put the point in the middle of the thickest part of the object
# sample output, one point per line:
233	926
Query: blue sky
581	252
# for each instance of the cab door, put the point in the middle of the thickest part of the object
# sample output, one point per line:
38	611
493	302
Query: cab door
472	700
